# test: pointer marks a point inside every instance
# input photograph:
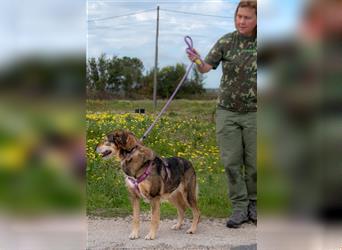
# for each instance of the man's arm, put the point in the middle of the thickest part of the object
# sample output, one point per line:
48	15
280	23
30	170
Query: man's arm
204	67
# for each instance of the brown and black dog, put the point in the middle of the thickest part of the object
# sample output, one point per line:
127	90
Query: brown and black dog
153	179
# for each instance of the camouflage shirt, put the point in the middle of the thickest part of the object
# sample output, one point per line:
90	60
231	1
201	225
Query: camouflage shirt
238	87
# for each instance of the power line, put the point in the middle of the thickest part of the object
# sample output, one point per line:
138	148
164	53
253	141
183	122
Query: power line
196	14
123	26
113	17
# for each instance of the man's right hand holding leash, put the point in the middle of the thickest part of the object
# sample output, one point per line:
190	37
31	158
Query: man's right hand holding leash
195	57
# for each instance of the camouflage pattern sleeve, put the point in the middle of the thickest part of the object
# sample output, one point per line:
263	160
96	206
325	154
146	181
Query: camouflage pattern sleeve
215	55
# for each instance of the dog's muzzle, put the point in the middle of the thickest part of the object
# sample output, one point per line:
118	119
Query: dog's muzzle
105	153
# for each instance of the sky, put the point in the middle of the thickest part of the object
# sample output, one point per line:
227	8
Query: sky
134	35
41	27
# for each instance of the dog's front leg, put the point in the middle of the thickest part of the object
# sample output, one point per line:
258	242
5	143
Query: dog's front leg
155	204
136	218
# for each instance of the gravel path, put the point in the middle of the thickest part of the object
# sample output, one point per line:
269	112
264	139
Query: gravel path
212	234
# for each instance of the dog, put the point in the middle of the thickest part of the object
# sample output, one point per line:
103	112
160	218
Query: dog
154	179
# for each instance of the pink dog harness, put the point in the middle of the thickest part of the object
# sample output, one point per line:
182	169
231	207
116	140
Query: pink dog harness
135	182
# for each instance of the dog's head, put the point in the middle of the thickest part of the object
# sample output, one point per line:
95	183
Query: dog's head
129	150
117	143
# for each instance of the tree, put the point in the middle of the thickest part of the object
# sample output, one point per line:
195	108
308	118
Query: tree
194	85
114	74
92	73
146	87
168	79
114	81
132	69
100	84
124	76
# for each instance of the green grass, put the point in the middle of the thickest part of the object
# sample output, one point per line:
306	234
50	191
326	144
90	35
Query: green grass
187	129
177	107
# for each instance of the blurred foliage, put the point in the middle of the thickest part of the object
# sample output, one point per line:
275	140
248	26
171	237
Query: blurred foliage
38	190
42	77
41	157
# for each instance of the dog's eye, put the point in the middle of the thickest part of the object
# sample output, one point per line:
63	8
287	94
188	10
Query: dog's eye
110	138
129	159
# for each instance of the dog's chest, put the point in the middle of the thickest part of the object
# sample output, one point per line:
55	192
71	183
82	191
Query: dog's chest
139	190
145	195
145	192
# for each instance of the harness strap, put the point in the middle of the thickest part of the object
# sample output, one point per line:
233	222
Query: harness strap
141	178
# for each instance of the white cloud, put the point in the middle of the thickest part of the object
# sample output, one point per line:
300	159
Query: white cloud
146	16
211	8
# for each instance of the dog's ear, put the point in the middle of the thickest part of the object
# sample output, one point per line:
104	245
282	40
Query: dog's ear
132	141
117	137
148	153
123	139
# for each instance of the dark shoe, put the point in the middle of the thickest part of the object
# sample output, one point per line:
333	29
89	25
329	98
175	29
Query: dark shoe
236	219
252	211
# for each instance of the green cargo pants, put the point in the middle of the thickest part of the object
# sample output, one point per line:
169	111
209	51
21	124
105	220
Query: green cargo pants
236	137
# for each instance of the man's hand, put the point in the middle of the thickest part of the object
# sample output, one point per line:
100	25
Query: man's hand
194	56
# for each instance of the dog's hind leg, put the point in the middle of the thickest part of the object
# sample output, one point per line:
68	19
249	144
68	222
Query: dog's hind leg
178	201
155	204
191	197
136	218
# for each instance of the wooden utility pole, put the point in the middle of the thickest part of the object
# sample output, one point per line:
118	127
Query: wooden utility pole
156	65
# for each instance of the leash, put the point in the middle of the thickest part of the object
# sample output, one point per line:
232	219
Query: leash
191	50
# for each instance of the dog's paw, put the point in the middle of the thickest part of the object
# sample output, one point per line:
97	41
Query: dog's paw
176	226
190	231
150	236
134	235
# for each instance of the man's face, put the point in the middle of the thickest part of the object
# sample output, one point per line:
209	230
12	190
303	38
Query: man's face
246	20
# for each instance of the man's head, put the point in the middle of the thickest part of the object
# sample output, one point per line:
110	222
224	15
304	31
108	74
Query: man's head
246	17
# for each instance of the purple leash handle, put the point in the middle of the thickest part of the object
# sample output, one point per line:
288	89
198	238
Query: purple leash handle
188	41
190	49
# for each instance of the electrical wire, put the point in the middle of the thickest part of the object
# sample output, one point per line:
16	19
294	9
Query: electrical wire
166	10
192	13
113	17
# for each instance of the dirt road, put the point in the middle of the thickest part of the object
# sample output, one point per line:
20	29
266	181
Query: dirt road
212	234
